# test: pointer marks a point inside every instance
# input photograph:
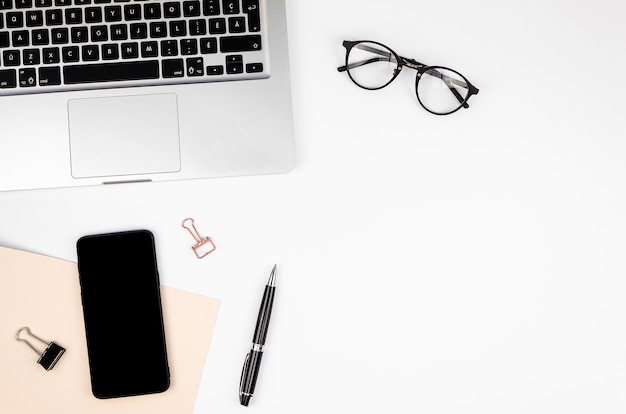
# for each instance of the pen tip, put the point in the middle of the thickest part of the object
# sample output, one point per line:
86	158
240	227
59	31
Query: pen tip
272	280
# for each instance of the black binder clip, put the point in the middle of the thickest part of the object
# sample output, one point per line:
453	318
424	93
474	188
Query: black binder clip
50	356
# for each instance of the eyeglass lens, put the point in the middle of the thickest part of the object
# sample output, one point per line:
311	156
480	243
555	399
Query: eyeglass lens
441	90
371	65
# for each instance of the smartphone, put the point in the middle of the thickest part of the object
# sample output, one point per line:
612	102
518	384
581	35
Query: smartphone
121	301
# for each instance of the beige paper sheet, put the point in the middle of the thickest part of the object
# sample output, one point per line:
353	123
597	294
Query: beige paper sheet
44	294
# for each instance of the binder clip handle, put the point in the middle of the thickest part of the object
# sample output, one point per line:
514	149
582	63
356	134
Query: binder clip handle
50	356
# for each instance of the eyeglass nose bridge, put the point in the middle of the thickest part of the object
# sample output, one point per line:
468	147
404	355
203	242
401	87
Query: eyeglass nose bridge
411	63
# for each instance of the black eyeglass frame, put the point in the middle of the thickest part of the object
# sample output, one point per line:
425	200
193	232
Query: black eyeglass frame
421	68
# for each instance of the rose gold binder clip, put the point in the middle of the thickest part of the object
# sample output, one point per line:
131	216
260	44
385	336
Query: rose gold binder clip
204	245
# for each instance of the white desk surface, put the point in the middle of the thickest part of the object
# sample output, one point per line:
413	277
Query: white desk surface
464	264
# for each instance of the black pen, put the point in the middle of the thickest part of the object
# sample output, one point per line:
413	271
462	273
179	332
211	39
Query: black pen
253	360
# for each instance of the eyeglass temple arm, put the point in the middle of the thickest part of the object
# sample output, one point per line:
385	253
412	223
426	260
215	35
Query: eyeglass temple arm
451	82
386	57
361	63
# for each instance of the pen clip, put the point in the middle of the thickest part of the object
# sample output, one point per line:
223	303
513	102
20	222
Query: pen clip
243	373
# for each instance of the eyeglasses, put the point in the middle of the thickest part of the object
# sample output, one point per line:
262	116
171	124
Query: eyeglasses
440	90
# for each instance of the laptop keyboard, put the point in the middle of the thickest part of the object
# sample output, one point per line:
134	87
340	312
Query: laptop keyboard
64	45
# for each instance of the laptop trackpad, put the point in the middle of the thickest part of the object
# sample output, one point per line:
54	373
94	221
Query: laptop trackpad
124	135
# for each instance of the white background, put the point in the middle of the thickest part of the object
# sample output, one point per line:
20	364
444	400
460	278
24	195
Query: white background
463	264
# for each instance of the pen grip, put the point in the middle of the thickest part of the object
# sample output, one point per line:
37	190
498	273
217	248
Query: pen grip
249	379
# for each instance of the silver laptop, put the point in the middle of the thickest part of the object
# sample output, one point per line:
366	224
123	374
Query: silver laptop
115	91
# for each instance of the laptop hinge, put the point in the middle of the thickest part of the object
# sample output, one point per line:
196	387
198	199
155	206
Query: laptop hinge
127	181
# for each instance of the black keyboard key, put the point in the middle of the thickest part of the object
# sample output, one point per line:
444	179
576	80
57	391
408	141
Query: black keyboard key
8	79
189	47
5	39
40	37
195	67
99	34
6	4
49	75
254	67
90	53
215	70
130	50
1	21
27	77
59	3
60	36
111	72
110	51
43	3
169	48
210	7
236	24
11	57
234	64
208	45
119	32
250	6
178	28
132	12
54	17
20	38
93	15
234	67
15	20
113	13
217	25
191	8
70	54
234	58
79	34
34	18
197	27
31	56
138	31
231	6
74	16
173	68
248	43
149	49
51	55
81	2
152	11
158	29
23	4
171	10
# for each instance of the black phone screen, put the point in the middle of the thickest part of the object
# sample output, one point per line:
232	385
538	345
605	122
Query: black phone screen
122	311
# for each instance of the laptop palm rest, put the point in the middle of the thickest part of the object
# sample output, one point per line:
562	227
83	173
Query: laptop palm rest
122	136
